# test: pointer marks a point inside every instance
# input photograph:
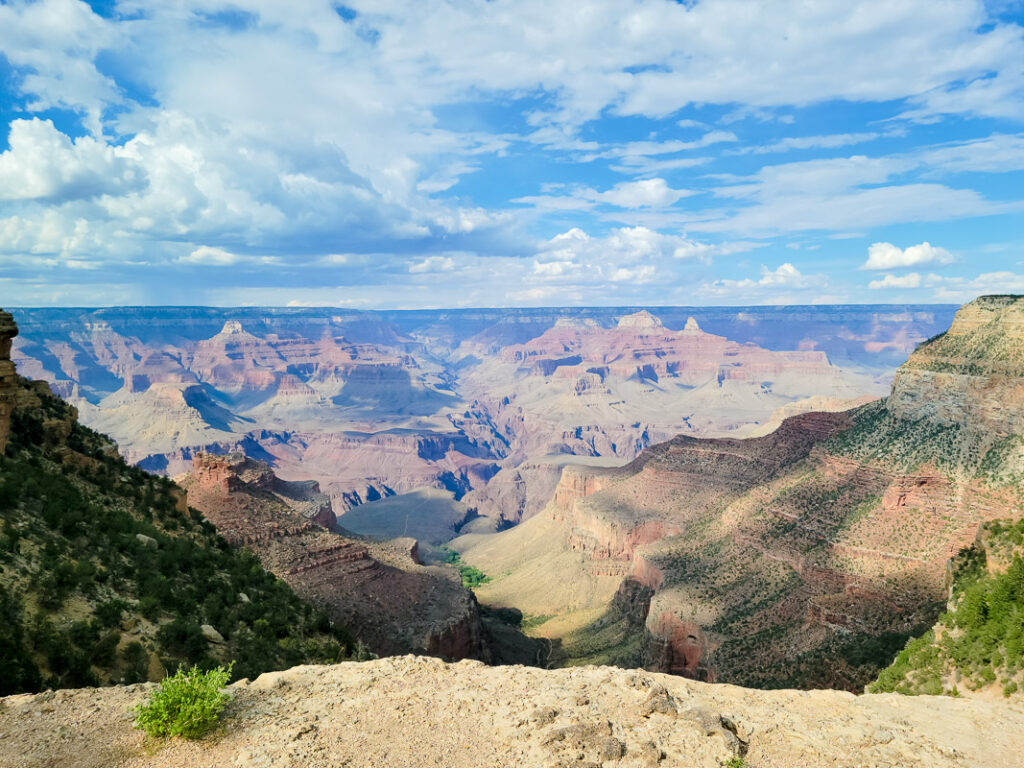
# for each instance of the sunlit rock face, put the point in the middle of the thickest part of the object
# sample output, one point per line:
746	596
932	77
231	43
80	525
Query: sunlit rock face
973	374
376	589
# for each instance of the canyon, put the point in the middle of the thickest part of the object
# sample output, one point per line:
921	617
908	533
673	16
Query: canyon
485	406
380	591
799	558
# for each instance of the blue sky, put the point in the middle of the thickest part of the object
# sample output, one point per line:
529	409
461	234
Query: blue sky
467	153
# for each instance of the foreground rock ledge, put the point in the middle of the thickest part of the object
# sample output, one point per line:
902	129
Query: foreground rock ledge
415	711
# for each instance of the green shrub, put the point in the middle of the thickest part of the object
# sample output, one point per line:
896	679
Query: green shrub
186	704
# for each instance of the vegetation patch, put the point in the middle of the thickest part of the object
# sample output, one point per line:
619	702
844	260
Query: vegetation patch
980	642
471	577
107	577
187	704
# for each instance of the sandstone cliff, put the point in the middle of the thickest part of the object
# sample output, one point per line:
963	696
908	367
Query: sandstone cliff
411	712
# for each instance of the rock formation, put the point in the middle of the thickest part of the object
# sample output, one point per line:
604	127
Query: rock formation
411	711
805	557
378	590
374	404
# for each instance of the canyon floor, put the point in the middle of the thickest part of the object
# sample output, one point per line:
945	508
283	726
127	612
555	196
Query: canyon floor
416	711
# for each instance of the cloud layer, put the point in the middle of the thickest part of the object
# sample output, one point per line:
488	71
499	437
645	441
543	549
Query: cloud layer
442	152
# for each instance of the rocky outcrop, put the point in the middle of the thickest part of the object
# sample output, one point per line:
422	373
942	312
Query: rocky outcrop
414	711
971	375
8	377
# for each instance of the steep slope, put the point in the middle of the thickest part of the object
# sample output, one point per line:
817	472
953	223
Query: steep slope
390	601
107	576
408	712
977	645
809	556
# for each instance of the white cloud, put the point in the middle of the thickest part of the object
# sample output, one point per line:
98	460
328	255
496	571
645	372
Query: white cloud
964	289
785	284
641	274
556	269
840	194
56	43
625	244
359	130
207	255
539	293
648	193
911	280
784	274
998	153
44	164
889	256
829	141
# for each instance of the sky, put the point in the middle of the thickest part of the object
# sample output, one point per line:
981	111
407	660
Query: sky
450	153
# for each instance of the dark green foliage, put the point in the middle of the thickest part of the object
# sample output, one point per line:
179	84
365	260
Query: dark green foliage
471	577
70	543
18	672
982	638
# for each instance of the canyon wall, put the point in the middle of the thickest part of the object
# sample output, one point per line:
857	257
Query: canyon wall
808	556
369	404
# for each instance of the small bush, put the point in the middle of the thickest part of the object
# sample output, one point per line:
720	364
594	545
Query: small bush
186	704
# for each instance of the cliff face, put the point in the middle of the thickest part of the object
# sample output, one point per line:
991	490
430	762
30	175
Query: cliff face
378	590
809	556
971	375
975	647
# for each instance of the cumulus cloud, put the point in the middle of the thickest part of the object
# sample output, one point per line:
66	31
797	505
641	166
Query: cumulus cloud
44	164
785	284
627	244
644	273
648	193
53	45
391	131
889	256
911	280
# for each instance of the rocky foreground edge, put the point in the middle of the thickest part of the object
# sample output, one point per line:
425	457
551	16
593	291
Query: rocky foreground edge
418	711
